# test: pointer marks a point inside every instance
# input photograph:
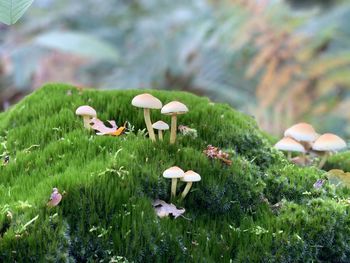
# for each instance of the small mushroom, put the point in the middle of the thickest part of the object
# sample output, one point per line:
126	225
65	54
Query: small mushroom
174	173
303	133
289	145
160	126
327	143
147	102
189	177
88	113
174	108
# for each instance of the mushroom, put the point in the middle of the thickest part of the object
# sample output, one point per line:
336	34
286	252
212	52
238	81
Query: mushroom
160	126
88	113
303	133
189	177
174	108
290	145
174	173
147	102
327	143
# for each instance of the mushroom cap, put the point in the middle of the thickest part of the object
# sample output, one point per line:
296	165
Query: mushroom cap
290	145
146	101
160	125
302	132
86	111
329	142
174	107
191	176
173	172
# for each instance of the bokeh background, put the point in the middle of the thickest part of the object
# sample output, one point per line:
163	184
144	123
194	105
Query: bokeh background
281	61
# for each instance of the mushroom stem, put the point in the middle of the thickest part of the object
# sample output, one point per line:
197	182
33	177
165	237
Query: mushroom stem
160	134
323	160
186	190
173	187
148	122
173	129
87	121
289	156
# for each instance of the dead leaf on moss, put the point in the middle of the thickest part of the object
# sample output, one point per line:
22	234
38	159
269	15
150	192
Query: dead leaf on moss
102	129
55	198
216	153
164	209
339	177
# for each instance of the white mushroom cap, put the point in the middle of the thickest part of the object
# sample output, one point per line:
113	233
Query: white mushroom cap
174	107
302	132
160	125
290	145
191	176
146	101
173	172
86	111
329	142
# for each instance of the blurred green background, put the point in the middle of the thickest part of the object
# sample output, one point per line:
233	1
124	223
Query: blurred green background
281	61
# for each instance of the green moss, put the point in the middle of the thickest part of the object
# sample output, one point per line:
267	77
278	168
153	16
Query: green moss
110	183
339	161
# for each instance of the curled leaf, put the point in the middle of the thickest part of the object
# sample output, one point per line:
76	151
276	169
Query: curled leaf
164	209
102	129
319	183
55	198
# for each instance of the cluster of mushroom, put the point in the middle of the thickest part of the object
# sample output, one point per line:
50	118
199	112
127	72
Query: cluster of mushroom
174	108
174	173
303	138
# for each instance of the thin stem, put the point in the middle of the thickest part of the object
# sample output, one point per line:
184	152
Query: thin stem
173	129
147	115
160	134
173	187
186	190
323	160
87	121
289	156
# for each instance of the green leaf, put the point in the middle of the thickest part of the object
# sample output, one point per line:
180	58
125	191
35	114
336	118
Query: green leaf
79	44
12	10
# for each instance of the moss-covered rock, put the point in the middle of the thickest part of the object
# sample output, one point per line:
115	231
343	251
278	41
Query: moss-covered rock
259	209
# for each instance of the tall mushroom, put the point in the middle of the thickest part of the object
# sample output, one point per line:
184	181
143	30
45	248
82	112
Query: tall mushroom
173	173
289	145
303	133
174	108
160	126
88	113
147	102
327	143
189	177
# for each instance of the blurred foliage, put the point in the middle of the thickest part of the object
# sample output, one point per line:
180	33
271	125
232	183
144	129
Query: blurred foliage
263	57
12	10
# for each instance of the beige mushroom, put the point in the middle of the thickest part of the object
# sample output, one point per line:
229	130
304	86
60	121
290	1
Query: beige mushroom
303	133
327	143
289	145
174	108
189	177
173	173
147	102
160	126
88	113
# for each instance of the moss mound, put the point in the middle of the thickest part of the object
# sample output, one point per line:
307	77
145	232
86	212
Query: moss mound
339	161
259	209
